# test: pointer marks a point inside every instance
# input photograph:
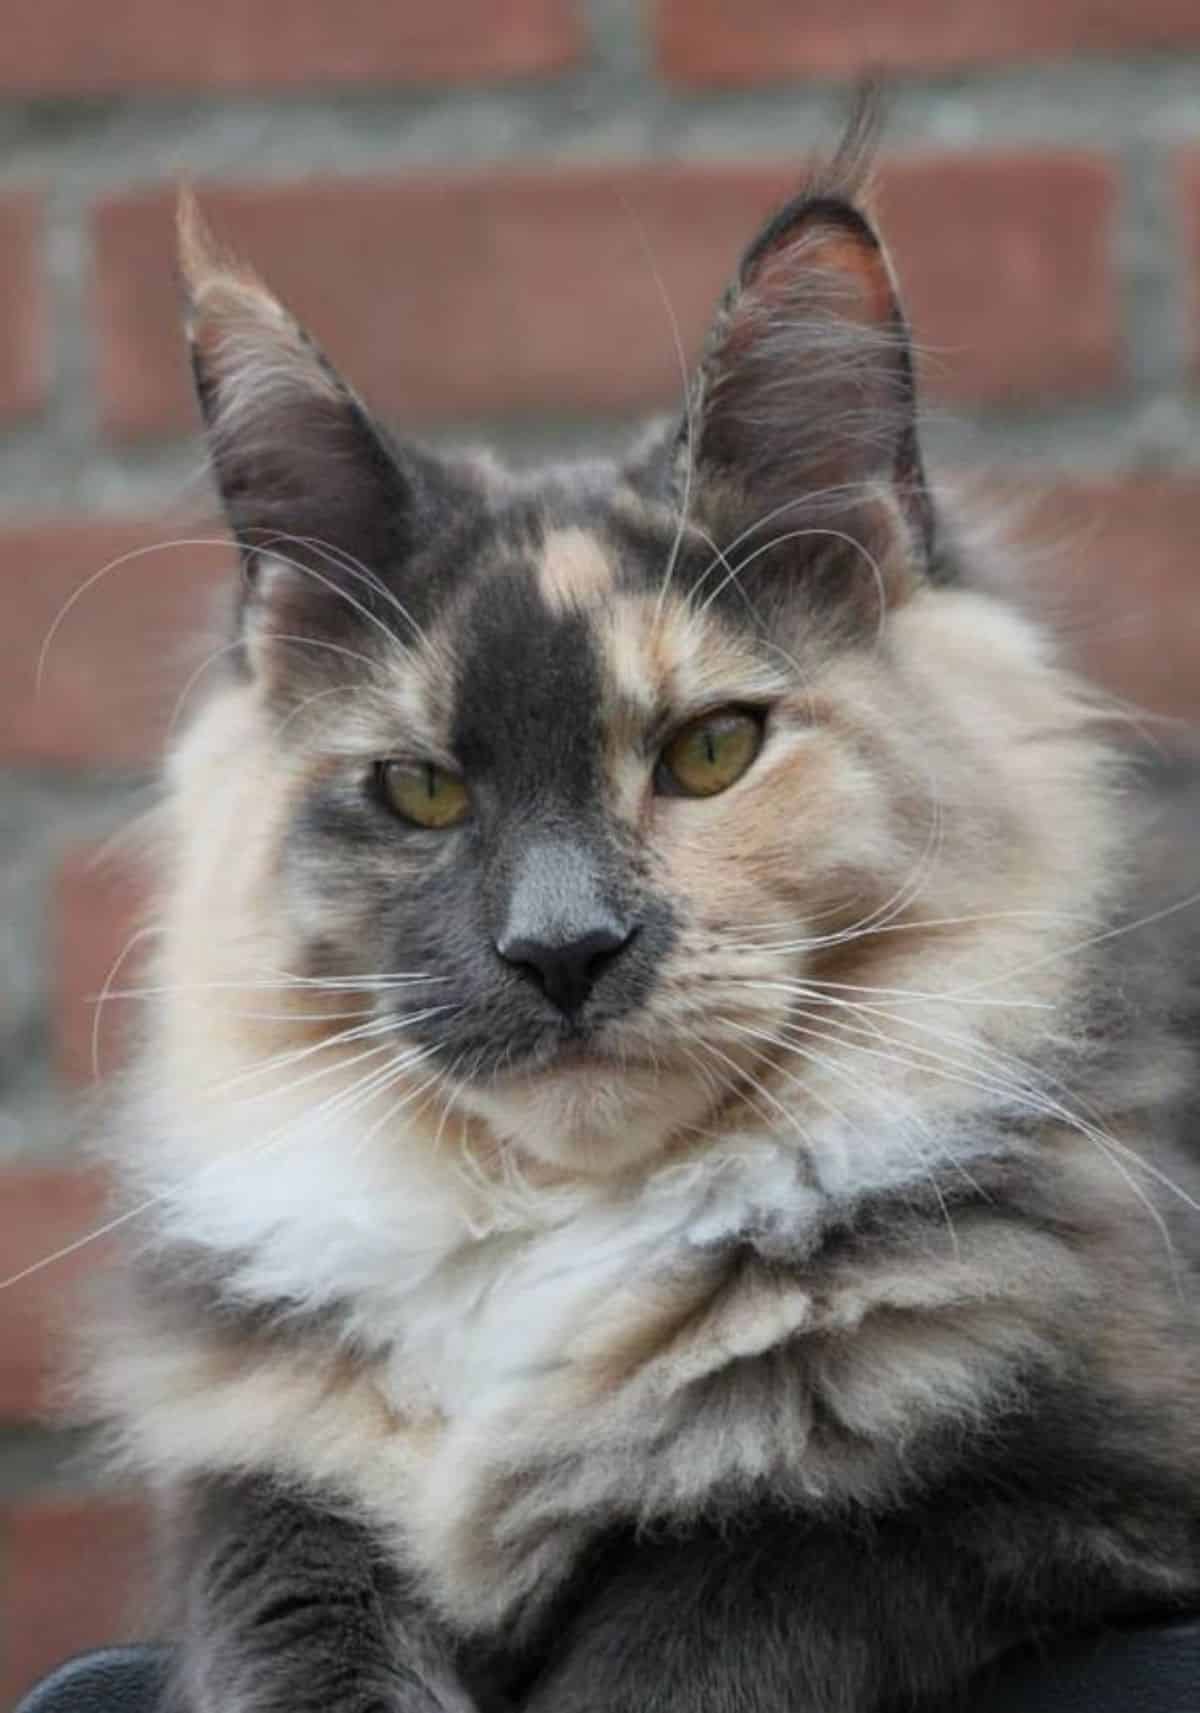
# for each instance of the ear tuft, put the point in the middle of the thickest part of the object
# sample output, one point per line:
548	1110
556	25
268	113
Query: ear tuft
806	395
246	348
309	481
849	174
216	282
202	262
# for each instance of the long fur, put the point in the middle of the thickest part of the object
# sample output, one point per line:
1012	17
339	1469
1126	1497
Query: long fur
616	1360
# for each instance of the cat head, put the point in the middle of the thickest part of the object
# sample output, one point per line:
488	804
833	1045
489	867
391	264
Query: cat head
578	807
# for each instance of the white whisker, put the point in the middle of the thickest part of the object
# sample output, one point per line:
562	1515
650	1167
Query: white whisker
223	542
107	991
164	1197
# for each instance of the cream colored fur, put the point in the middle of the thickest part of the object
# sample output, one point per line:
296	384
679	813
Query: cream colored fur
539	1316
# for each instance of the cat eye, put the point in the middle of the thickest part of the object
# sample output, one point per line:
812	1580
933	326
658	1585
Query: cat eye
710	754
423	793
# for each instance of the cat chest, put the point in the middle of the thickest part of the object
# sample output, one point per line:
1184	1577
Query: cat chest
646	1396
630	1364
633	1401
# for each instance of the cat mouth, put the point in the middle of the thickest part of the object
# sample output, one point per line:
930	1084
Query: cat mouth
582	1058
567	1050
573	1059
578	1055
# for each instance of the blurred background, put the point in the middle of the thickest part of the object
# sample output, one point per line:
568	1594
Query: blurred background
483	208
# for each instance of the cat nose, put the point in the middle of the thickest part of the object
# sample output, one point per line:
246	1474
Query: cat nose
568	967
561	928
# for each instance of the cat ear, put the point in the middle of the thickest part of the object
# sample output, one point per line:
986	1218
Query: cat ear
307	479
806	396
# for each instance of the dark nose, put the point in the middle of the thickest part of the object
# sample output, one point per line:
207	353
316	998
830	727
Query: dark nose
567	968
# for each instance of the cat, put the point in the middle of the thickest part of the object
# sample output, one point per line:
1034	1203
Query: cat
662	1158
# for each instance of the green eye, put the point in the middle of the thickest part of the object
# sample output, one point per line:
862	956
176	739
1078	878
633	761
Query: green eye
423	793
710	754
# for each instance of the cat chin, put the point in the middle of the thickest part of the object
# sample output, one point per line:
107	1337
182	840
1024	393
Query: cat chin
596	1117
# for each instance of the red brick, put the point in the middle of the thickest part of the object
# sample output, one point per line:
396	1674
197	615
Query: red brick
115	664
43	1211
1113	565
23	331
1006	262
99	899
75	1578
280	44
455	295
734	43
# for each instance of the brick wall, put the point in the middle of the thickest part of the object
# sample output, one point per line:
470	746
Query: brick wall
461	198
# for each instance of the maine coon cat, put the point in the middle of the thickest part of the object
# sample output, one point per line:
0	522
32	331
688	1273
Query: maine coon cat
665	1165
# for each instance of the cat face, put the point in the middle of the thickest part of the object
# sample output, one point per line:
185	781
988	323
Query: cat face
596	788
570	807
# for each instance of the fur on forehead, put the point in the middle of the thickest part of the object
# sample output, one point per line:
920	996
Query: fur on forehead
661	650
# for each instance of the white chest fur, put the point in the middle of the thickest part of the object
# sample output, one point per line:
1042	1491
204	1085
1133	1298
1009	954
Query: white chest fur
585	1356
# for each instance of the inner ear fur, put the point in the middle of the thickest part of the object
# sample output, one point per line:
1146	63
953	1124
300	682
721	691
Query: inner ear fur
301	466
806	400
327	508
